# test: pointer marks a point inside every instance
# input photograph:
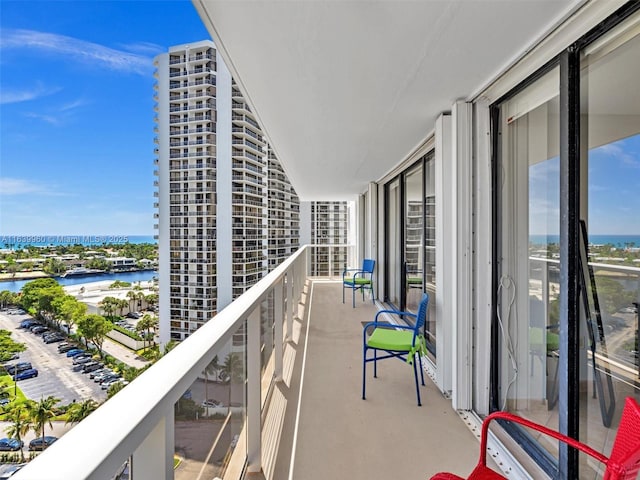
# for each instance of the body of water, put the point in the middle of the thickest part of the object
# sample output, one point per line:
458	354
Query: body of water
20	241
141	276
615	240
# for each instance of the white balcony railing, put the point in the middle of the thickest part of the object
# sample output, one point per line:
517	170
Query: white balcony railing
135	428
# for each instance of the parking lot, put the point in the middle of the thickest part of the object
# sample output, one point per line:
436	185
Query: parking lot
55	374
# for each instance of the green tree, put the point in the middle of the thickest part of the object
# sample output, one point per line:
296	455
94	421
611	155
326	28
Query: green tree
114	388
8	346
69	310
7	298
17	414
122	304
79	411
98	264
131	295
144	327
54	266
30	298
212	368
94	328
41	413
109	305
151	300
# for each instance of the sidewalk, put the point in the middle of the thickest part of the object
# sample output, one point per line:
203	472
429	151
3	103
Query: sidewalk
123	354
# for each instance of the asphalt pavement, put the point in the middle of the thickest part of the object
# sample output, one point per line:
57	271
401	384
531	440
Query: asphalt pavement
55	374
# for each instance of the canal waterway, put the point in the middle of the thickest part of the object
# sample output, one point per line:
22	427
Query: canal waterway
139	276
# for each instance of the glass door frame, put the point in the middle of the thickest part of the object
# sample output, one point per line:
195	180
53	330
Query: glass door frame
570	210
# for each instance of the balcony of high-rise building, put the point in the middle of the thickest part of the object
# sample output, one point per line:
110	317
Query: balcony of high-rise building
485	153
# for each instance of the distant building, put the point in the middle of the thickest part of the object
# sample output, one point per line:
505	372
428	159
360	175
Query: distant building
227	213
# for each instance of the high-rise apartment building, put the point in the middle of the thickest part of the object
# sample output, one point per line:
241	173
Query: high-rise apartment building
227	212
330	226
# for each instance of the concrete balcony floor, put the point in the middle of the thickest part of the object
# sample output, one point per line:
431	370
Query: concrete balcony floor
335	434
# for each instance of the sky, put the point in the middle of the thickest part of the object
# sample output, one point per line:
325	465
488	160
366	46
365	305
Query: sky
613	190
76	112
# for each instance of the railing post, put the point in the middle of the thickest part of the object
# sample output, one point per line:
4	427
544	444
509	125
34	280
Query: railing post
290	302
278	321
153	459
254	420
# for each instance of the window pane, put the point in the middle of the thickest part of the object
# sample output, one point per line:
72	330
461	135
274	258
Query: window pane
413	230
528	292
611	177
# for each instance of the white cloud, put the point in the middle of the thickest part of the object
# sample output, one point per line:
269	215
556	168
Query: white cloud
45	118
18	186
79	50
615	150
143	48
15	96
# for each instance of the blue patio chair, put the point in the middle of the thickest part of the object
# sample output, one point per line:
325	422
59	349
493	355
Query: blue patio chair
359	279
397	341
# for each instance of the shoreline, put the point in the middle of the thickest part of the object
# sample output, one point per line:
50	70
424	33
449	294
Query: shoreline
10	277
37	274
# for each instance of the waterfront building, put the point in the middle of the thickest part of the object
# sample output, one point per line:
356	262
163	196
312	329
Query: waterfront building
494	125
227	213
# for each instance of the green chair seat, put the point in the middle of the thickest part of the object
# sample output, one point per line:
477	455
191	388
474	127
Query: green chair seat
391	339
359	281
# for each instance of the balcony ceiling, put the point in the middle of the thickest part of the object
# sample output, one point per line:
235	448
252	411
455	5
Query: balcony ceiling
346	90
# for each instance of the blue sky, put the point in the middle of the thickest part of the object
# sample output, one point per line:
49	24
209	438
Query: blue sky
76	112
614	191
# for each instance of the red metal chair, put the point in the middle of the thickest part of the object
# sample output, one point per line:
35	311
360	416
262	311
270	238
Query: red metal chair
622	464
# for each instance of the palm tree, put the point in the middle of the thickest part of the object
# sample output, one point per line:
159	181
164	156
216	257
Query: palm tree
131	295
122	304
213	367
42	412
79	411
232	370
20	422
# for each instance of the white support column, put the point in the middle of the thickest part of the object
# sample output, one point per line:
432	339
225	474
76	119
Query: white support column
254	420
150	459
462	156
483	256
445	260
278	319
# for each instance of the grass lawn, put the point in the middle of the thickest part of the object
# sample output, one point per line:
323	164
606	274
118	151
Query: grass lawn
10	386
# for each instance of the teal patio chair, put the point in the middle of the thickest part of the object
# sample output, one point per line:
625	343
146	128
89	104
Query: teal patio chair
359	279
396	341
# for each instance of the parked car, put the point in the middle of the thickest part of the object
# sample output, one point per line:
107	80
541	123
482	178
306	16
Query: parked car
64	348
39	329
135	315
10	444
109	378
91	367
18	367
41	443
74	352
109	381
32	372
79	366
53	338
80	359
100	371
211	402
27	324
4	401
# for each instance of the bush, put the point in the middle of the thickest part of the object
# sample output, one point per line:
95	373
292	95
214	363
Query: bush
126	332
